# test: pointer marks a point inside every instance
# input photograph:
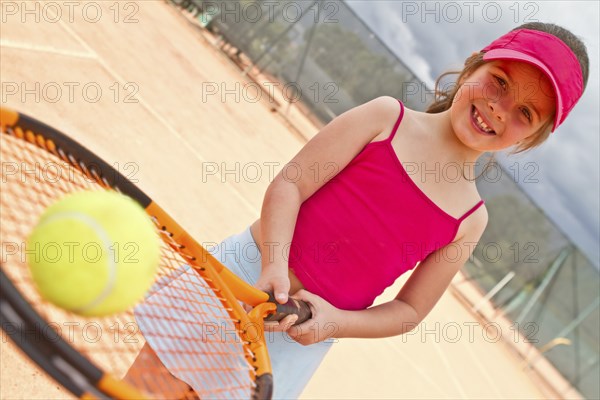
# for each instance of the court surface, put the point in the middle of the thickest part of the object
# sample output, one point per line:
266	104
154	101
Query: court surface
131	83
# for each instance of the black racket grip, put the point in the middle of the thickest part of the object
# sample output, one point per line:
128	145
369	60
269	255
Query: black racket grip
293	306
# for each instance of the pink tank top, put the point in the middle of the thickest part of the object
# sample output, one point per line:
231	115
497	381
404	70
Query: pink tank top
364	228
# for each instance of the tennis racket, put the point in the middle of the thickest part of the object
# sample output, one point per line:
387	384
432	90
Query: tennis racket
92	357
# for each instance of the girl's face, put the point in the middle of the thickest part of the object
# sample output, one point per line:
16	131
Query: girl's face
501	103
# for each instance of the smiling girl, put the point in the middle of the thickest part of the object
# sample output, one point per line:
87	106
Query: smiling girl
373	221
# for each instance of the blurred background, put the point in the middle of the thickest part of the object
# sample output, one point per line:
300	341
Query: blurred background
196	91
538	261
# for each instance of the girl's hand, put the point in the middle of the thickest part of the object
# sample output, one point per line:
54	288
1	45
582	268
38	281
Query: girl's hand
281	326
325	322
276	281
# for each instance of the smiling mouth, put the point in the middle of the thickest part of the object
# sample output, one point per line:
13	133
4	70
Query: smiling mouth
480	123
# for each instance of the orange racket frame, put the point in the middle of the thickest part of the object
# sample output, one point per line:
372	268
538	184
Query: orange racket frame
228	287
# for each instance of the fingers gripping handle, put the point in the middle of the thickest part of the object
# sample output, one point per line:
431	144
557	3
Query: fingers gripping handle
293	306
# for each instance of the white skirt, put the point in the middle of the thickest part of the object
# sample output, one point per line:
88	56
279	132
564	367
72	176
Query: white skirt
293	364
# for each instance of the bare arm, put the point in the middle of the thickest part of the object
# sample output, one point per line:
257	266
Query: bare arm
415	300
334	146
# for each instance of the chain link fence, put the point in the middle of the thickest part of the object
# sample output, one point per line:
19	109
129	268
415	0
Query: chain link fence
324	59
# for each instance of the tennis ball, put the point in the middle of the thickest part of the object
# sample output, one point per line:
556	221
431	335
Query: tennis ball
93	253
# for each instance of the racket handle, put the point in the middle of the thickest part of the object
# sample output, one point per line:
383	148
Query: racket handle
293	306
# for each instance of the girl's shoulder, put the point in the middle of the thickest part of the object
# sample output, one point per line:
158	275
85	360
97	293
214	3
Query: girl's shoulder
391	110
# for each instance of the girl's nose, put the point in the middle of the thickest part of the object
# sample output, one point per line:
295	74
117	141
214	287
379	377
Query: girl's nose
494	108
498	107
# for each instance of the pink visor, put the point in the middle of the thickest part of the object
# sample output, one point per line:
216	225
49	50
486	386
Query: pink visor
551	55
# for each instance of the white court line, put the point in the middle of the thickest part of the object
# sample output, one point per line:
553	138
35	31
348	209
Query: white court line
148	107
482	368
46	49
449	369
484	372
415	366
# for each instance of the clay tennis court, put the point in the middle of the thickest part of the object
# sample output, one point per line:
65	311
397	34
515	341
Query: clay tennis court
130	83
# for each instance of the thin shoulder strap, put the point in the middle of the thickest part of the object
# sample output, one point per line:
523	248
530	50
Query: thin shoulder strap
389	139
471	211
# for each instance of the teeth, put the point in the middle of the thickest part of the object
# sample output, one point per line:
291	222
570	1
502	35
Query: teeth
482	124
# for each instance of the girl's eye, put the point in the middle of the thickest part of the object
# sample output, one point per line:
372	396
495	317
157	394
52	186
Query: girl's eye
527	114
500	81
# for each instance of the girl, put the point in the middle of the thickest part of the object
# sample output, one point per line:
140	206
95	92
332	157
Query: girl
356	220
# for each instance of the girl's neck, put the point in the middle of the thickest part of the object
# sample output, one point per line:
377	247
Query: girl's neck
440	125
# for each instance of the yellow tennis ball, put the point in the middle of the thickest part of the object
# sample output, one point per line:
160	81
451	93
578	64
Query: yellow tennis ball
94	253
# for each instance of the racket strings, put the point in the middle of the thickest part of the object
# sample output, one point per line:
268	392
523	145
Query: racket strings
34	175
